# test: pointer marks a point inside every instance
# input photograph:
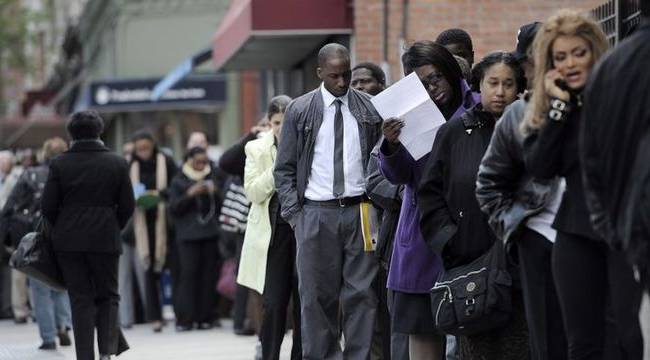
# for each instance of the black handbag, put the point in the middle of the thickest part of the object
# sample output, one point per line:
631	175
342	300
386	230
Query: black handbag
35	257
474	298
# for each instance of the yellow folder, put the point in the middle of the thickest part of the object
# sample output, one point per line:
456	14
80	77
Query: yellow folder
369	226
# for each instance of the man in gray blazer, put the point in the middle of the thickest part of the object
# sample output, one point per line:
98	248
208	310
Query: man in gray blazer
320	174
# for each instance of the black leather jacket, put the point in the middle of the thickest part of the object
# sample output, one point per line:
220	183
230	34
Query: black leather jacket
505	190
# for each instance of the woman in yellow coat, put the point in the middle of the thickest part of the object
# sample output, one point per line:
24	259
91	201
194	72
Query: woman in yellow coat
269	253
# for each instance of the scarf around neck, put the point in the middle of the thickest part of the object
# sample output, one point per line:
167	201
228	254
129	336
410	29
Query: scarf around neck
193	174
140	219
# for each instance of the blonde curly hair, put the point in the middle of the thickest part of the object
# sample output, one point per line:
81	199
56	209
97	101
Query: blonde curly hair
565	22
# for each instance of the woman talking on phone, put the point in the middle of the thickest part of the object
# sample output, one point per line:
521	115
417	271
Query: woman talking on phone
585	270
194	204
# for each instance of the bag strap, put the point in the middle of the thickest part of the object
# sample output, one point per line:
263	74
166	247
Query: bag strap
498	254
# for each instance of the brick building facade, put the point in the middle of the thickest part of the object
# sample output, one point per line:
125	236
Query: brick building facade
493	24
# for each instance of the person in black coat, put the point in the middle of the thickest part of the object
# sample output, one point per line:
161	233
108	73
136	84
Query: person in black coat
587	273
195	200
87	199
233	160
615	147
451	221
152	171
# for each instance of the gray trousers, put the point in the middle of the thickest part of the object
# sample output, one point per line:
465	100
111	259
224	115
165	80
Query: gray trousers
333	269
130	264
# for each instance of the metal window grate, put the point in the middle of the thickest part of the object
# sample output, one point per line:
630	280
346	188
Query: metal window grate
618	18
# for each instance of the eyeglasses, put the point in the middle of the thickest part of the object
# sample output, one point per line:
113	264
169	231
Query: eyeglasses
432	79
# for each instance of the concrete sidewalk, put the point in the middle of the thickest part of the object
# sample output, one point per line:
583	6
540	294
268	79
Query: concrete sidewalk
21	342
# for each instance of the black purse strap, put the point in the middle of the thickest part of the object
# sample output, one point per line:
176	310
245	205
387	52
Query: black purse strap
498	258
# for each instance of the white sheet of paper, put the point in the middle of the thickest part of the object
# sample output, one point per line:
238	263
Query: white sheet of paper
408	100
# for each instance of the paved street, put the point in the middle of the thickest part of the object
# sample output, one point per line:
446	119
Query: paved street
21	342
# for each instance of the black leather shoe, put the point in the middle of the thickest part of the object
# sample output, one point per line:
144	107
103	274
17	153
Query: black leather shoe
157	326
205	326
47	346
244	332
64	338
183	328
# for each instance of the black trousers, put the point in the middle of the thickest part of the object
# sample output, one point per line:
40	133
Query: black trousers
91	279
543	314
152	301
197	288
588	275
173	263
152	290
381	339
240	304
281	284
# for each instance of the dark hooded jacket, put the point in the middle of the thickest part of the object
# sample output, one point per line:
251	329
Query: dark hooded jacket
88	198
615	146
196	217
451	221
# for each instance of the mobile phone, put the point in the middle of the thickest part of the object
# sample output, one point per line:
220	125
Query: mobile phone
561	83
209	183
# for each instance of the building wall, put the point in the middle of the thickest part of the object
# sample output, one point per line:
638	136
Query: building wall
493	24
152	41
145	38
128	39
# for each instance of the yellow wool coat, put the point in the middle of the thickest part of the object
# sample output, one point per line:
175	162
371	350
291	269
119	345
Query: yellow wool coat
259	187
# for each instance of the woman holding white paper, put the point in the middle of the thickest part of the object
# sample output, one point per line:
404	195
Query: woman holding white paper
414	267
451	220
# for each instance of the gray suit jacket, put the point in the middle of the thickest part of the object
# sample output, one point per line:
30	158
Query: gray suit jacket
302	122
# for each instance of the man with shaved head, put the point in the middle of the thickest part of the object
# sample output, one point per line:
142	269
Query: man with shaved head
327	137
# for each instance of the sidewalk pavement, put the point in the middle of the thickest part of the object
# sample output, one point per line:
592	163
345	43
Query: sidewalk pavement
21	342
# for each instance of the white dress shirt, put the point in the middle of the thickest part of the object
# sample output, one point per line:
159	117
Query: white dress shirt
320	186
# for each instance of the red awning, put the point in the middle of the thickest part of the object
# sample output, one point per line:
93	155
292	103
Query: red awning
277	34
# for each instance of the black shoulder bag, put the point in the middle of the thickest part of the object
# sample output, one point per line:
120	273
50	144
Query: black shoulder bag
474	298
35	257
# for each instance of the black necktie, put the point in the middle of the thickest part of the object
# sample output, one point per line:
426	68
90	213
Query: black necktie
339	178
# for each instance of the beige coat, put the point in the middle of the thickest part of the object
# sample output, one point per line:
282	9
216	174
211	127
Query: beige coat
259	188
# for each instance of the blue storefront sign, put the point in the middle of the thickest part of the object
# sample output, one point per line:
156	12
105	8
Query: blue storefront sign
196	92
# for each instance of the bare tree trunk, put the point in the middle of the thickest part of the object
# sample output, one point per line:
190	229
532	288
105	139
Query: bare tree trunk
3	105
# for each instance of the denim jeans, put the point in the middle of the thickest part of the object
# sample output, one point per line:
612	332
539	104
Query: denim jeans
52	310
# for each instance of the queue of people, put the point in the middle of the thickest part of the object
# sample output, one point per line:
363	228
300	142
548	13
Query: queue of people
504	169
522	164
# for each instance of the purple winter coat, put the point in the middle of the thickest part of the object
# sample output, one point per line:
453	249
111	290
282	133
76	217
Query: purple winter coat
414	267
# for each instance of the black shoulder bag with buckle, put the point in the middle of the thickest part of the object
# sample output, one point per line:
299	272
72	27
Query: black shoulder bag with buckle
474	298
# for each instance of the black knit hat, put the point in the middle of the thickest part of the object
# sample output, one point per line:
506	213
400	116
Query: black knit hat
525	38
455	36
